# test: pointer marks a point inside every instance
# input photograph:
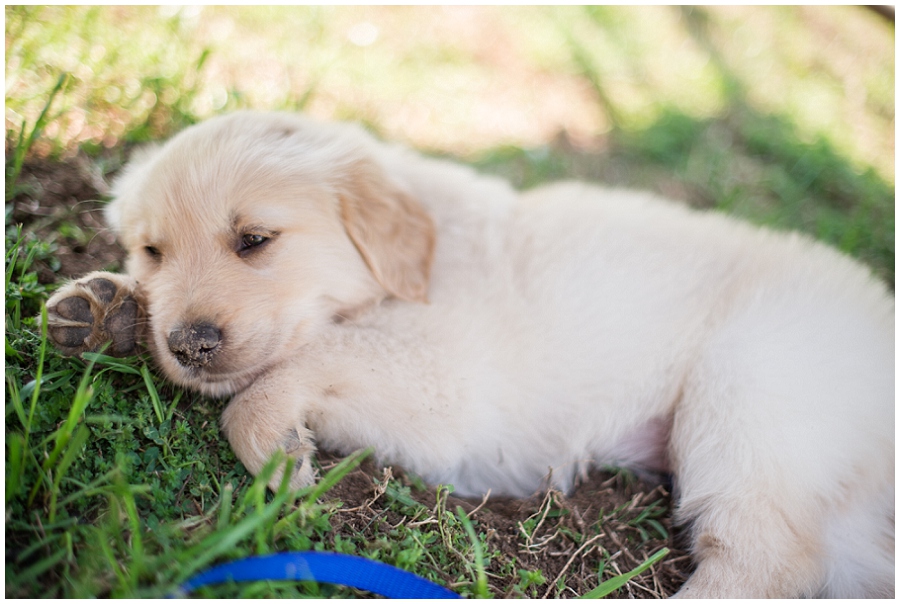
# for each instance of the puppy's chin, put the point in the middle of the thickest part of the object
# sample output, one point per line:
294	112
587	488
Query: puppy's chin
225	375
208	382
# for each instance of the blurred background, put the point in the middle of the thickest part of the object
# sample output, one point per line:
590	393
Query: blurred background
458	79
780	114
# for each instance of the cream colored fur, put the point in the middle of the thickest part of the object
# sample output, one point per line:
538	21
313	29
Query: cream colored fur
497	340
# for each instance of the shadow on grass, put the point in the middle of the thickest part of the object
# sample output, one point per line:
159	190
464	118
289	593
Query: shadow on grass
754	165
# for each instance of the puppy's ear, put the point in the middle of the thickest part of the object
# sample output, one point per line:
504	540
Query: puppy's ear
126	185
391	230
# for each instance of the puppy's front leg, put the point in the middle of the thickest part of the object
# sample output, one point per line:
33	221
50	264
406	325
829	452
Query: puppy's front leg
260	421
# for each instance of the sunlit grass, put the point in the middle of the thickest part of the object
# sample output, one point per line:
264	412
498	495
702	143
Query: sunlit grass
457	79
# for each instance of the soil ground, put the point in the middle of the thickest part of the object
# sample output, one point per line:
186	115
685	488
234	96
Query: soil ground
603	509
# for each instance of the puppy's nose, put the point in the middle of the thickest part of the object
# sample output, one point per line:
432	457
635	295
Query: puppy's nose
195	345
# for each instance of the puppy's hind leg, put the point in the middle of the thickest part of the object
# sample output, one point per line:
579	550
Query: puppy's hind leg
100	308
860	546
781	431
748	549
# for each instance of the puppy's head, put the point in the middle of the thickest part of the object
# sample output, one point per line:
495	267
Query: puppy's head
250	232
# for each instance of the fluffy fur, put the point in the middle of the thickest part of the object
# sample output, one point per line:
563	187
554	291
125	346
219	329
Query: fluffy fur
497	340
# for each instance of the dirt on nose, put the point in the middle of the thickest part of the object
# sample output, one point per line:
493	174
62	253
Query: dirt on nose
195	345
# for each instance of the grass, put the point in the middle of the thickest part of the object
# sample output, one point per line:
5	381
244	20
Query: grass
120	484
113	490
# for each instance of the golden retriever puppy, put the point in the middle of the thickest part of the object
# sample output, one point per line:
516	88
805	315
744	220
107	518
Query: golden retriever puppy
350	293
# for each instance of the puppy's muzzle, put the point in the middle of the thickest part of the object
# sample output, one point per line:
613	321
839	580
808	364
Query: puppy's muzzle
195	345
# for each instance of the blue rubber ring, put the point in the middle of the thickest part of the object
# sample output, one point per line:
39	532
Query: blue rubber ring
322	567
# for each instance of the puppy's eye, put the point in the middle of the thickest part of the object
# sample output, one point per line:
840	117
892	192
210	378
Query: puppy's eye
154	253
251	241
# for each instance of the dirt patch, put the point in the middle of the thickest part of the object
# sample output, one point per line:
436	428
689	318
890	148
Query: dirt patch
610	521
603	523
62	203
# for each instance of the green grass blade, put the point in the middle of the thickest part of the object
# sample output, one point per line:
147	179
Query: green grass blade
98	486
224	541
225	507
51	531
83	396
109	417
23	145
481	590
10	351
40	370
63	434
611	585
32	572
103	541
15	464
347	465
29	260
154	395
174	405
137	542
12	254
73	450
15	400
110	362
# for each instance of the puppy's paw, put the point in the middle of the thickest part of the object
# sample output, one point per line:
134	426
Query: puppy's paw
260	424
301	449
97	309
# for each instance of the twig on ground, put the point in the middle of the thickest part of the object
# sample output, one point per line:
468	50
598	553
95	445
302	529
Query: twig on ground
569	563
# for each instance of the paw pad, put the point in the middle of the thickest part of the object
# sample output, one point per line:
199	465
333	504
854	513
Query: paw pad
76	309
87	314
120	325
104	289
